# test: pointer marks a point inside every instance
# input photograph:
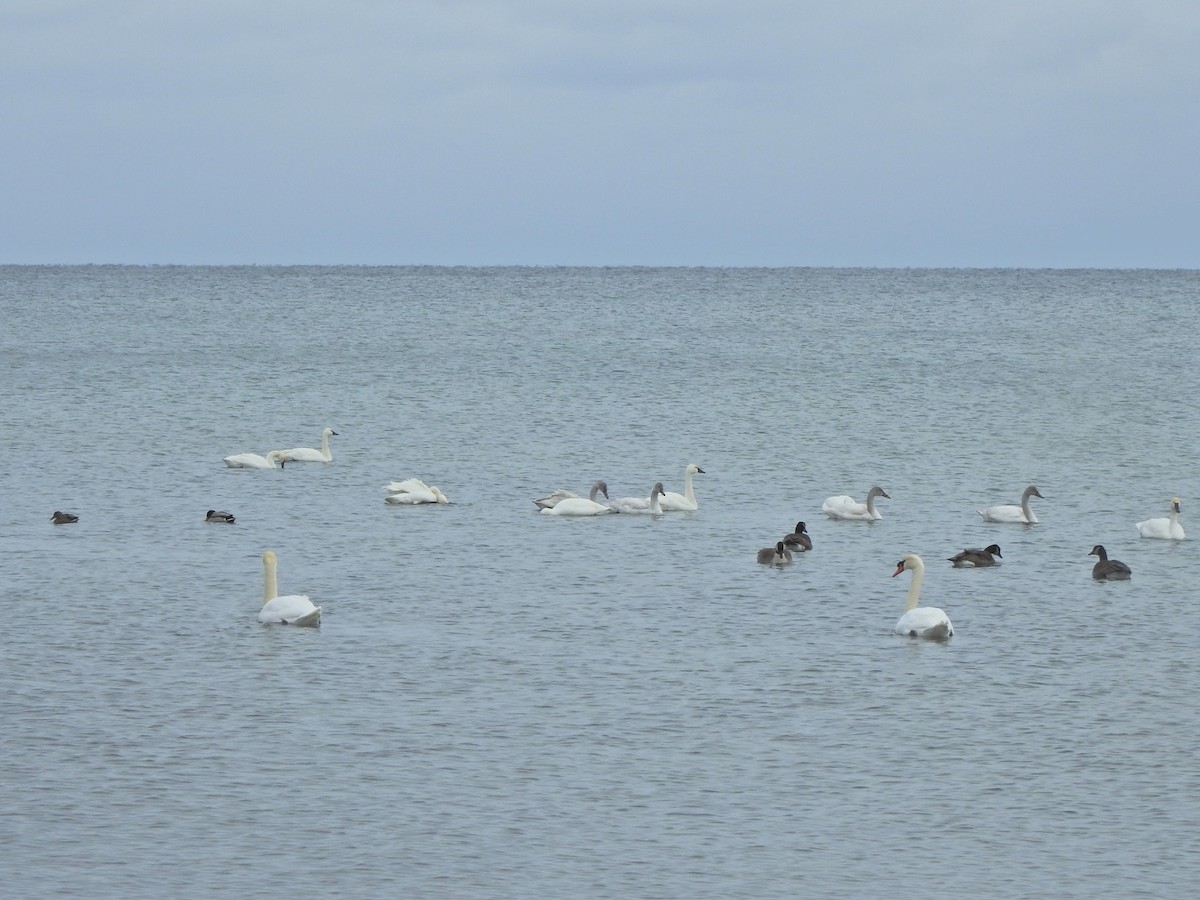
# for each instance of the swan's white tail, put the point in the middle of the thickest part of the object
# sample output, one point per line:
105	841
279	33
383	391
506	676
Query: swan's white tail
310	619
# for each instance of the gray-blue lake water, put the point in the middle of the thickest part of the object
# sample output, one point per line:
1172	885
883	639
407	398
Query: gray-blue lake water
505	704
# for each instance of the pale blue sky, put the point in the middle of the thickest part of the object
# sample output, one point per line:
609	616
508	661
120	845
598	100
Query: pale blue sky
656	132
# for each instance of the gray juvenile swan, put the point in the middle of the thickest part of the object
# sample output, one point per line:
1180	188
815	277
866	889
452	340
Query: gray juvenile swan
552	500
1108	569
974	558
1014	515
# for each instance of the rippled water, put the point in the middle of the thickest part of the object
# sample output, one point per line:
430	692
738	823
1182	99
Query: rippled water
504	704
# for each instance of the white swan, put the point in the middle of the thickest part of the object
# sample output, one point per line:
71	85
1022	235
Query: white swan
295	609
413	491
846	507
272	460
641	505
308	454
778	555
580	506
1018	515
1107	569
685	502
551	500
927	622
1167	528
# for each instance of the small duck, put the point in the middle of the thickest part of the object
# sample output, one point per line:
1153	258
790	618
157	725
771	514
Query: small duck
778	555
974	558
62	518
1108	569
223	518
798	541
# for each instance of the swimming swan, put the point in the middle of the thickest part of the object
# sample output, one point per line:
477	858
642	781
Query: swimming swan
1107	569
798	541
413	491
685	502
927	622
647	505
778	555
223	518
974	558
1167	528
581	506
308	454
551	500
1019	515
272	460
846	507
62	518
295	609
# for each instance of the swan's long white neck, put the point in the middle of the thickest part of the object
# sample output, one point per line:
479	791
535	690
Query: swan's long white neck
325	446
687	485
270	589
871	505
914	587
592	493
655	506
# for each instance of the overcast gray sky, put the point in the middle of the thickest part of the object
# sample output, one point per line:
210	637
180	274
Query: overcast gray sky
601	132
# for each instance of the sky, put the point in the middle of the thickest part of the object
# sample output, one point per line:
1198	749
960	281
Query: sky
601	132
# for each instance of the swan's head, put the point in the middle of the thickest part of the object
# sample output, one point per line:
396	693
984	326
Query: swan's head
328	432
1175	504
602	488
658	490
1099	551
437	492
877	491
910	562
693	469
277	456
1032	491
993	549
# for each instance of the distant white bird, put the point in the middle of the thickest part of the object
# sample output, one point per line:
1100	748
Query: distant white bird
309	454
413	491
272	460
1014	515
685	502
927	622
1167	528
549	501
295	609
846	507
